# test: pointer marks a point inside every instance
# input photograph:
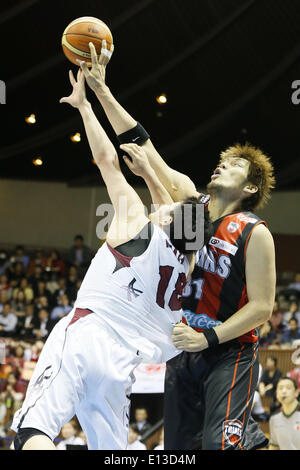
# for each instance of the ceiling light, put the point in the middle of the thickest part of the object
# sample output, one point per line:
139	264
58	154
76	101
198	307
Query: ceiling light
30	119
37	162
76	137
161	99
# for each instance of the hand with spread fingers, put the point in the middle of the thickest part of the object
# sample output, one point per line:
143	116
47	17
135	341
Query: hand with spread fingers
78	95
95	76
139	164
187	339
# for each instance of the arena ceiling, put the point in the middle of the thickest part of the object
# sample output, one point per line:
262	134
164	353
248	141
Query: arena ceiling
226	66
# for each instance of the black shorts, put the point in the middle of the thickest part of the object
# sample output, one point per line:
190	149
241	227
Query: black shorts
208	399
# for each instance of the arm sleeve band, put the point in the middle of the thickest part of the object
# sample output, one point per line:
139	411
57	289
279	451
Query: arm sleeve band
211	337
137	135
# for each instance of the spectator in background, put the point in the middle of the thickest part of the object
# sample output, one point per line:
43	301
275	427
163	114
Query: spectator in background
20	257
141	424
4	284
133	440
3	300
276	319
295	375
26	323
19	302
38	260
4	262
12	396
72	278
291	333
73	291
24	287
296	284
79	254
42	291
62	309
36	277
269	379
16	273
293	312
69	434
8	321
267	336
61	289
284	425
42	326
41	302
55	264
16	360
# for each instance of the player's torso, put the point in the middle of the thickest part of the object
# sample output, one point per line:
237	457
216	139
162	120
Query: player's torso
218	286
139	296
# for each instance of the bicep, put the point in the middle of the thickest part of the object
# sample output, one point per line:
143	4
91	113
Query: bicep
260	268
178	185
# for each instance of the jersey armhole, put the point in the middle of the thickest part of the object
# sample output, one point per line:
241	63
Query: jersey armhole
139	244
249	235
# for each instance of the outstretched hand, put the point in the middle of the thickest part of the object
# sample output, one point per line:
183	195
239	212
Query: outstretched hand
139	163
95	76
78	95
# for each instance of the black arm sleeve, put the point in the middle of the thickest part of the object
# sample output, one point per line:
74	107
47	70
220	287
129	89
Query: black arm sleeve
137	135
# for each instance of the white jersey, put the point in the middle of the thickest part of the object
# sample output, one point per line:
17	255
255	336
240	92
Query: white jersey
139	297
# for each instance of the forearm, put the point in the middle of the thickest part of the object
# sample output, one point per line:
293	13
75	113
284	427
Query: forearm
119	118
158	192
100	145
244	320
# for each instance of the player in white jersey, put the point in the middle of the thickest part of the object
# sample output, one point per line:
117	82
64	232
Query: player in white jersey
126	308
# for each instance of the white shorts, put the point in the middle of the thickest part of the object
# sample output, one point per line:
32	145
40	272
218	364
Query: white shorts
83	369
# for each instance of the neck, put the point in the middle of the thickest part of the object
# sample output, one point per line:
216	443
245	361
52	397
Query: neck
289	408
220	206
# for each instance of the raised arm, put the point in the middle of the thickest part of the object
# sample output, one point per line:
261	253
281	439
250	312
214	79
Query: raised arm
129	209
140	166
177	184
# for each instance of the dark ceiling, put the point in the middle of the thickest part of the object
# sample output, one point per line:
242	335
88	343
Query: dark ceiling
227	67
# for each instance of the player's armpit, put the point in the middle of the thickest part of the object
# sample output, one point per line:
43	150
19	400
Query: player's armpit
178	185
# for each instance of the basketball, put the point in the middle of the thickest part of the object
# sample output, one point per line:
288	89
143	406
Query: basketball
79	33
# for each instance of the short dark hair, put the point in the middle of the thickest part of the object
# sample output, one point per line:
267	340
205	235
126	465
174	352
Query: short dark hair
273	358
288	378
79	237
190	223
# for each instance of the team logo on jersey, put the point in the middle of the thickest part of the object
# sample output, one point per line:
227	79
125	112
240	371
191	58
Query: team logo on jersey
232	431
223	245
131	291
199	320
248	220
233	227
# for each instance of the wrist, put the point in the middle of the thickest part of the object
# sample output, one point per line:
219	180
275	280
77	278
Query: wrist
84	105
102	91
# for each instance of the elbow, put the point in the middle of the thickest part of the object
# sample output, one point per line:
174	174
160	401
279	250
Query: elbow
264	311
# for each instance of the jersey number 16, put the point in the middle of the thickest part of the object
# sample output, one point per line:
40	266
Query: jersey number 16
165	273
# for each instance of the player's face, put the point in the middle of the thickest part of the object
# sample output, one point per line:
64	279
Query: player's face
286	392
230	174
162	216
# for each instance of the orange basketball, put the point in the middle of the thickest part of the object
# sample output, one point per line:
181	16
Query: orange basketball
78	34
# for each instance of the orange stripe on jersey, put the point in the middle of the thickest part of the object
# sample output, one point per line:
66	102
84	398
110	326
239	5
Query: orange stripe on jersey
229	395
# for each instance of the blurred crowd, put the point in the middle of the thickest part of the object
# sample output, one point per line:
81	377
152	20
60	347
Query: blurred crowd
38	288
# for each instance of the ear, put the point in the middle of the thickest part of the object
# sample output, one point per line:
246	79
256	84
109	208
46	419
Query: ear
166	220
250	189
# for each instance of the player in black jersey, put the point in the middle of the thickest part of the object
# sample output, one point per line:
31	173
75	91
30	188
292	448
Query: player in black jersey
209	387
